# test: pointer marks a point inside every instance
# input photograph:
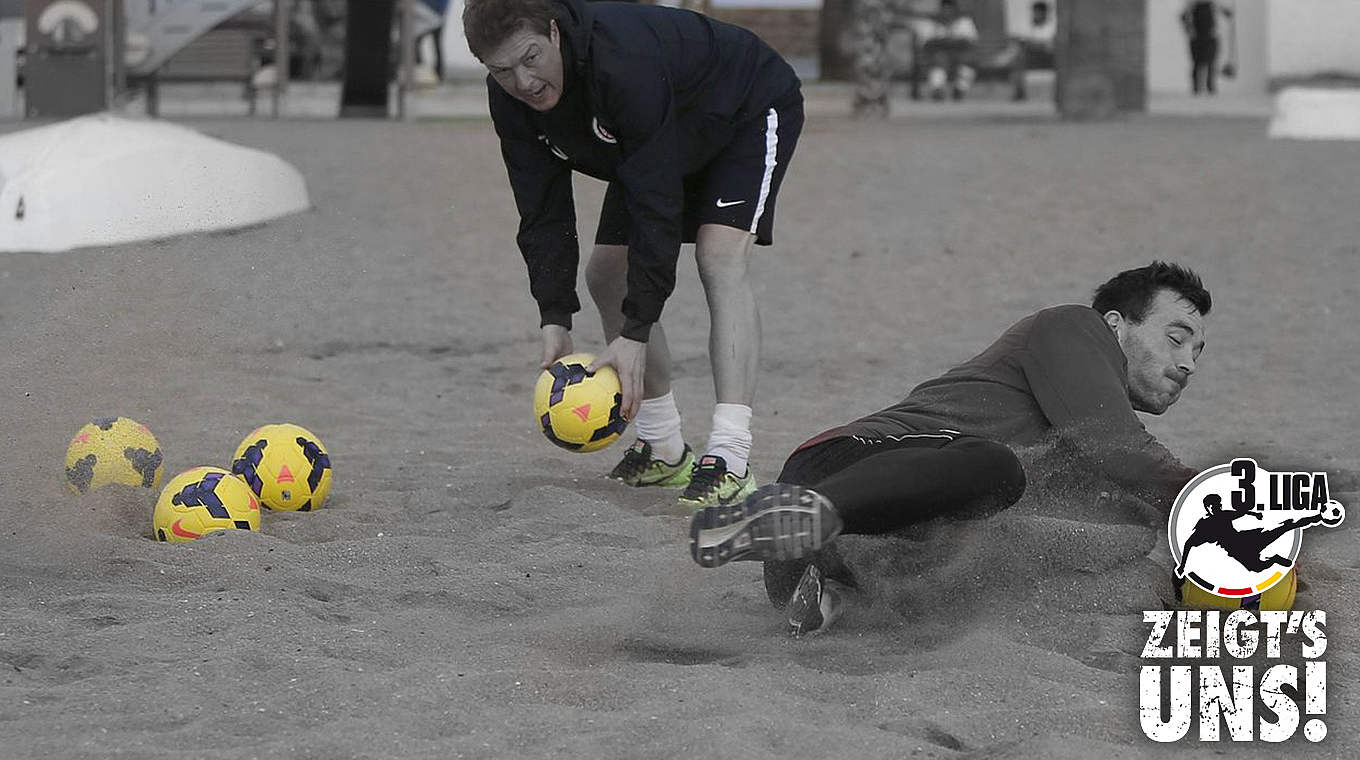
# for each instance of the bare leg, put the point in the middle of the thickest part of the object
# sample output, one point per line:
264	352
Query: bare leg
724	257
607	280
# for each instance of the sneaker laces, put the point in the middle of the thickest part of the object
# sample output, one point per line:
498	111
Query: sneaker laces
634	462
707	475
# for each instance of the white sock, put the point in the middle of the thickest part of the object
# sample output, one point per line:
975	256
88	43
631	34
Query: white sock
731	436
658	423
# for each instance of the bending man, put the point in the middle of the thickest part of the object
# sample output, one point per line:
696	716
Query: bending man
692	122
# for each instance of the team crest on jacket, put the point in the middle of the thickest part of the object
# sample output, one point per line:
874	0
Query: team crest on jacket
600	132
1236	529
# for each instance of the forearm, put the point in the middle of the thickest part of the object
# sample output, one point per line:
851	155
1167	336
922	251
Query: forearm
653	251
547	231
1130	457
551	258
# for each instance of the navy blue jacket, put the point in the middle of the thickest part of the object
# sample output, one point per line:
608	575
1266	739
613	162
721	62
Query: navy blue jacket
650	94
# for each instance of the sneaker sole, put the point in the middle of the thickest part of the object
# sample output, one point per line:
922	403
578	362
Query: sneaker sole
671	481
778	521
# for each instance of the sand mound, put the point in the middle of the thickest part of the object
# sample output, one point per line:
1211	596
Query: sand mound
103	179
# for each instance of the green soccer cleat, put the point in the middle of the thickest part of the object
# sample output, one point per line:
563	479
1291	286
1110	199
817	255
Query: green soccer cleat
711	485
638	468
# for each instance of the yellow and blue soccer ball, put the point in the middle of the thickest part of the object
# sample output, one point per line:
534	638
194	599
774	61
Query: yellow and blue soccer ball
203	500
113	450
286	466
576	410
1277	597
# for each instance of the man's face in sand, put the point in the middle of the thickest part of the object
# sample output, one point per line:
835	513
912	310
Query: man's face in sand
1161	350
528	65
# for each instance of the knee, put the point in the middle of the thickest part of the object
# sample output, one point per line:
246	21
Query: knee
723	268
798	471
1000	472
1010	474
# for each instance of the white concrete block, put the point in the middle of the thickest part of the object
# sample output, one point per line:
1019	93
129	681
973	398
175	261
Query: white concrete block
1303	113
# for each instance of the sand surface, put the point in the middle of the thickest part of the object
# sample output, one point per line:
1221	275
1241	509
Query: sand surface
471	591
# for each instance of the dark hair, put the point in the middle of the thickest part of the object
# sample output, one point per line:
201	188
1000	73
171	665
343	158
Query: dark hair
1131	292
488	23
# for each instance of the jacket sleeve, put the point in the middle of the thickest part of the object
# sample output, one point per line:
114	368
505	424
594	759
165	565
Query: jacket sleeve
1077	373
637	97
541	184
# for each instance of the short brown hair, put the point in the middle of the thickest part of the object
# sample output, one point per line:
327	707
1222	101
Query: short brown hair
488	23
1131	292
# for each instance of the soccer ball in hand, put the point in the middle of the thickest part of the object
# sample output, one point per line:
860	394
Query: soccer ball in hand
286	466
113	450
576	410
202	500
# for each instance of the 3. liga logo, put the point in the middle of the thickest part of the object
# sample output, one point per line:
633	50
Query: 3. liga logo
1236	529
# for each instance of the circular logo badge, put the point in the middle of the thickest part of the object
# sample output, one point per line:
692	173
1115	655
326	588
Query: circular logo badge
601	133
1223	536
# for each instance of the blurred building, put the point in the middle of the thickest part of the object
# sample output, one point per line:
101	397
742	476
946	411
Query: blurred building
12	36
793	27
1275	41
1269	42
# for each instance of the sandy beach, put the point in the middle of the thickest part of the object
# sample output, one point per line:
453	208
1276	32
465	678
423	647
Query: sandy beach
470	591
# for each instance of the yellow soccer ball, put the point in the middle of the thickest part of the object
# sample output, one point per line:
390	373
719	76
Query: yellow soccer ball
113	450
579	411
202	500
1277	597
286	466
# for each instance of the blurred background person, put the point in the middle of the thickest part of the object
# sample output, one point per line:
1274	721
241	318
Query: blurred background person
950	42
429	24
1200	20
1030	47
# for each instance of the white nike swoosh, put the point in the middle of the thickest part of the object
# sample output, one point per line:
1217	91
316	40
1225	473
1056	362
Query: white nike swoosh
725	204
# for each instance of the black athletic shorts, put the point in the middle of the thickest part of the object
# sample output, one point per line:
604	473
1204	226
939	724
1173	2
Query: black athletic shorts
736	188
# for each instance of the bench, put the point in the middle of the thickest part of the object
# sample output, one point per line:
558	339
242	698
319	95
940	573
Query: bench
986	59
233	51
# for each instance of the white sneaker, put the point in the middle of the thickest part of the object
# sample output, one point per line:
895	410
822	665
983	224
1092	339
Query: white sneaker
816	603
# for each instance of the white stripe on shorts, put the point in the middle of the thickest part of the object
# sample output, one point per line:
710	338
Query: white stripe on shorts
948	435
771	149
